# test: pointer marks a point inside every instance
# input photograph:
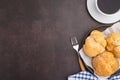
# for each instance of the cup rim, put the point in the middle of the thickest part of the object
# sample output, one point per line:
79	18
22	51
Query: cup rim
106	14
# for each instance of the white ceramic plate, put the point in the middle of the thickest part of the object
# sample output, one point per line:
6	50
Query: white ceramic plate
99	16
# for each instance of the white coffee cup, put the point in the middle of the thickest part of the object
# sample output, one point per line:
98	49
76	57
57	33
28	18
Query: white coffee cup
98	15
101	12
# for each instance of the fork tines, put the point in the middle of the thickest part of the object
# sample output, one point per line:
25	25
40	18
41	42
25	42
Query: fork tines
74	41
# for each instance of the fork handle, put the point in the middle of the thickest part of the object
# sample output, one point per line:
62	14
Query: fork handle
81	65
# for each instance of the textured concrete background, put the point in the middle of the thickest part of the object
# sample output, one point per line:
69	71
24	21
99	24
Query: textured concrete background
35	38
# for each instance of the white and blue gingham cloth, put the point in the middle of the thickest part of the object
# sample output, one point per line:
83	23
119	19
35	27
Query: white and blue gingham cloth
88	76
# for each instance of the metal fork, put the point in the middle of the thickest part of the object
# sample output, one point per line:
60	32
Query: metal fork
76	48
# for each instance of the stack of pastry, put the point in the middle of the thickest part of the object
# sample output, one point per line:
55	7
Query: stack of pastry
104	52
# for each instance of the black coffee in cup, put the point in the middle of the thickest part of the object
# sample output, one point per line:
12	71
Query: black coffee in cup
109	6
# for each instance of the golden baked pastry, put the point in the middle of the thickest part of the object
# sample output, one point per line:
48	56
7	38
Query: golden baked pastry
92	48
94	44
99	37
113	43
116	51
105	64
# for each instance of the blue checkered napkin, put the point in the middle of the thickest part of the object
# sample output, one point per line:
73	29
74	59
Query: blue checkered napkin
82	76
88	76
117	77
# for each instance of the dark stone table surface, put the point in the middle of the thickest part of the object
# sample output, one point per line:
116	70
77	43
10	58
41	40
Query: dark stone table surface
35	38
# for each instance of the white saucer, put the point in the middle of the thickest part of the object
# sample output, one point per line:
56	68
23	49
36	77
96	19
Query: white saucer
99	16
